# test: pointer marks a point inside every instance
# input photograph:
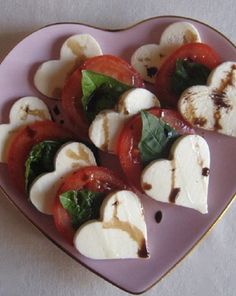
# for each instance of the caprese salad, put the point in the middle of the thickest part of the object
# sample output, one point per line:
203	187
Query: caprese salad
151	134
61	178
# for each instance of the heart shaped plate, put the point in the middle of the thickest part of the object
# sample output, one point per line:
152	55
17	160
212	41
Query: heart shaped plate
180	228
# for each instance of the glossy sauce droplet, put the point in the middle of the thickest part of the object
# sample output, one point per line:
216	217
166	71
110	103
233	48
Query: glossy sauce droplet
151	71
174	195
205	172
143	252
217	117
147	186
158	216
56	110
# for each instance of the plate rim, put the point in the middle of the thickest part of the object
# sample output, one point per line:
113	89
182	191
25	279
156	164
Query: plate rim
203	236
120	29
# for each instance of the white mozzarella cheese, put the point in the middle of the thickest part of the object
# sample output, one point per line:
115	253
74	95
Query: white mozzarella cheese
24	111
127	208
183	180
107	125
121	232
134	100
105	128
177	34
50	77
148	58
28	110
94	242
6	132
81	47
69	158
223	76
213	107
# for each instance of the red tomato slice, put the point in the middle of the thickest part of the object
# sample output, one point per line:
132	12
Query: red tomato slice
23	141
72	93
93	178
115	67
130	137
198	52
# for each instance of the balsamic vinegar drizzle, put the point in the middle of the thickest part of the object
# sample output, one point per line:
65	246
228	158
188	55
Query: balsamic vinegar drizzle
220	101
174	191
205	172
134	232
158	216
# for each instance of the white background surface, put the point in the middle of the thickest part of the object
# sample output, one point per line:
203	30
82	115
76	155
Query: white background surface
29	263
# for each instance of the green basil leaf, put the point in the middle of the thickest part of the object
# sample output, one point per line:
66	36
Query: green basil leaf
40	160
100	92
188	73
81	205
157	138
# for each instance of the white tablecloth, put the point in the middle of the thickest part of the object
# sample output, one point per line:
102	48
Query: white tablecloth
29	263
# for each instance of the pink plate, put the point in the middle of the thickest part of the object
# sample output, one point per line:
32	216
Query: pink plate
180	228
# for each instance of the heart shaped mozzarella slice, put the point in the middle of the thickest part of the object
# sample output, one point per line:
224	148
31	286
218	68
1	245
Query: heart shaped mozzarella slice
81	47
51	75
178	34
26	110
70	157
213	107
105	128
134	100
107	125
121	233
148	58
183	180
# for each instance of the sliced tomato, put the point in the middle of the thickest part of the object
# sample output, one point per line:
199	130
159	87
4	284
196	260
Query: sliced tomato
115	67
109	65
72	104
23	141
93	178
130	136
197	52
